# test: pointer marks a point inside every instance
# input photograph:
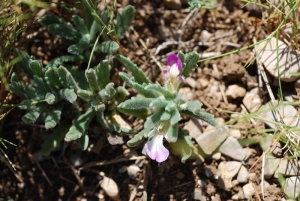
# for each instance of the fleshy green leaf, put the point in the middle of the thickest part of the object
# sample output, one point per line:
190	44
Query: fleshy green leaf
78	48
50	98
21	89
32	115
160	89
159	103
91	77
64	59
53	116
85	95
30	103
80	24
172	133
190	63
152	120
103	73
64	31
84	141
66	78
165	116
136	140
175	117
136	106
123	20
22	62
137	73
40	84
51	19
201	114
68	94
138	87
109	47
183	146
36	67
52	77
56	137
80	125
110	89
121	94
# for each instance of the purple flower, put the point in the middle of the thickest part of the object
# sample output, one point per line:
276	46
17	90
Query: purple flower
172	73
154	147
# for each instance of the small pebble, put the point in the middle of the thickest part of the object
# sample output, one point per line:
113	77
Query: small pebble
132	171
180	175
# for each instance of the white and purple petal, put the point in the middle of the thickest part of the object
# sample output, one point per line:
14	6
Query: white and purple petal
174	60
156	150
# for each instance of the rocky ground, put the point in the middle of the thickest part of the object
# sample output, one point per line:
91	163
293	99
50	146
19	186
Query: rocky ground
228	164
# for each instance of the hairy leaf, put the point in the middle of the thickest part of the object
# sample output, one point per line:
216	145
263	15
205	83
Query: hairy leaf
69	95
22	62
160	89
136	140
53	116
159	103
183	146
121	94
80	24
190	63
123	20
175	117
152	120
64	59
103	73
110	89
56	137
135	106
52	77
36	67
40	84
64	31
201	114
91	77
138	87
172	133
51	19
137	73
32	115
85	95
80	125
109	47
50	98
84	141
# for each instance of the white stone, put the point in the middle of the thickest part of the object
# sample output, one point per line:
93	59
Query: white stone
110	187
191	82
132	171
233	167
235	133
292	186
288	61
287	111
289	167
243	175
224	180
235	91
233	149
271	164
211	140
75	160
252	100
216	156
193	127
198	195
248	190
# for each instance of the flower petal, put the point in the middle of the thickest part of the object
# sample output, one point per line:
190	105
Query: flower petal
156	150
173	59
